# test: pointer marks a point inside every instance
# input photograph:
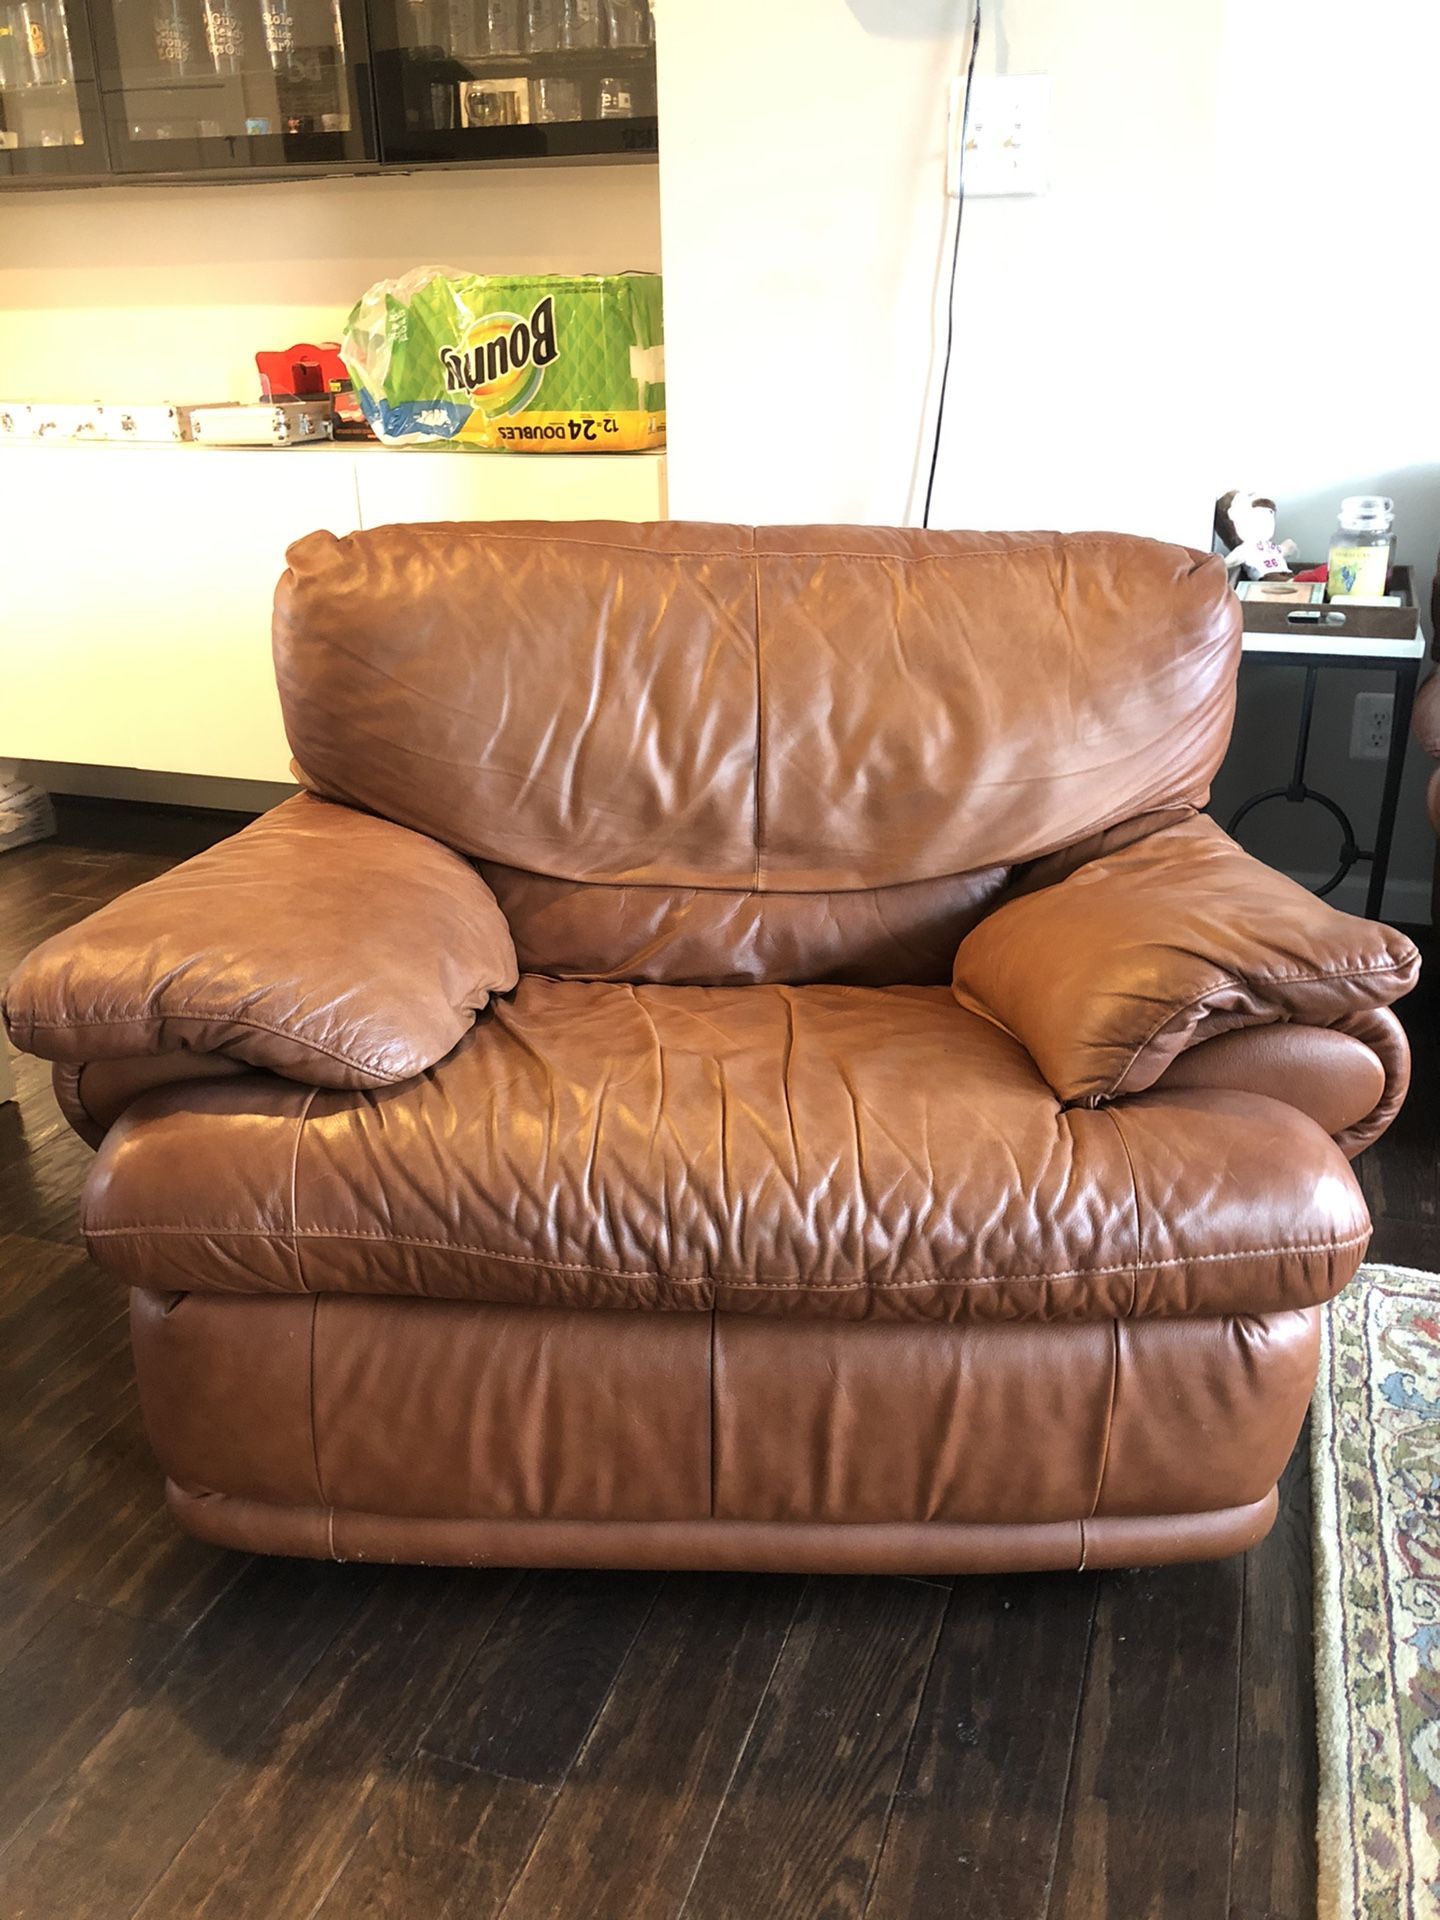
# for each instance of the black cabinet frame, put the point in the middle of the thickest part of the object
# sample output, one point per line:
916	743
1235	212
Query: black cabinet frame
62	165
390	88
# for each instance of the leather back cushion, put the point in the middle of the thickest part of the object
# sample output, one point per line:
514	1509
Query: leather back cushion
694	936
682	710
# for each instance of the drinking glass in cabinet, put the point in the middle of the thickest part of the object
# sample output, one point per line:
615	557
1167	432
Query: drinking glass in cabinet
582	26
629	23
39	106
485	29
542	25
555	98
222	73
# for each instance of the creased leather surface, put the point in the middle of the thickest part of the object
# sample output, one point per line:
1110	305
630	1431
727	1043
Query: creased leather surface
1425	724
93	1097
814	1150
1145	952
1339	1080
809	708
1378	1029
436	1410
319	943
672	936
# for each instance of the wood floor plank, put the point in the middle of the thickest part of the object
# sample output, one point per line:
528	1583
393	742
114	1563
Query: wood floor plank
801	1827
446	1844
95	1847
1273	1874
1406	1243
280	1833
43	1164
69	1415
974	1827
541	1678
635	1814
65	1686
51	1302
1148	1816
100	1532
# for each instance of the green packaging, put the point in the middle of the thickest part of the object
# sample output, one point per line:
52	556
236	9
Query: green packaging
526	363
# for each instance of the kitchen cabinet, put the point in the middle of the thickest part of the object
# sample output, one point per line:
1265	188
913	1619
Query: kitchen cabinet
96	91
51	130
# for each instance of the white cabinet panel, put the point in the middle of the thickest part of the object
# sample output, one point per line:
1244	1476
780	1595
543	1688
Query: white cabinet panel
136	582
396	485
135	595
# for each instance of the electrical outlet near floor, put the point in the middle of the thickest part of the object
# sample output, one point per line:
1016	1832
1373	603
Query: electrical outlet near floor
1370	721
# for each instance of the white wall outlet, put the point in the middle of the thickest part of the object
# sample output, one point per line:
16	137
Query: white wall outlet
1007	142
1370	723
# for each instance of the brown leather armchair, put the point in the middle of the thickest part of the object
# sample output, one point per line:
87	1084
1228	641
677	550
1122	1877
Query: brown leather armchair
745	1054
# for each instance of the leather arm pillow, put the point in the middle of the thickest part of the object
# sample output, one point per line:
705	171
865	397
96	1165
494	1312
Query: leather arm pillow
319	943
1110	974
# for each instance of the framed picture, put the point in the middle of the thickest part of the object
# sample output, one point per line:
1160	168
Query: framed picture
1295	593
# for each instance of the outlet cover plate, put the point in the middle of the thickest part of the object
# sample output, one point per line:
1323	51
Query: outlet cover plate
1371	719
1007	144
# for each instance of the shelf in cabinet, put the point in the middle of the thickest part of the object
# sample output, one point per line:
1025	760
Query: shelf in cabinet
533	140
586	62
52	90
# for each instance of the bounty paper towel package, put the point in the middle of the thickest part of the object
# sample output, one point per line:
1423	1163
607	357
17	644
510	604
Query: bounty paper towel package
532	363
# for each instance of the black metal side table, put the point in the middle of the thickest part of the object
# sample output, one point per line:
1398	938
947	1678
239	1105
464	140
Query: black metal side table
1318	639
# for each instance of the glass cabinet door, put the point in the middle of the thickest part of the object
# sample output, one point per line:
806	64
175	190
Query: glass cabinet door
49	122
513	79
199	85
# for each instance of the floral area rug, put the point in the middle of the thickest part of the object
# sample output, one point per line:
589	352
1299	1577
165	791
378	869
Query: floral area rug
1375	1440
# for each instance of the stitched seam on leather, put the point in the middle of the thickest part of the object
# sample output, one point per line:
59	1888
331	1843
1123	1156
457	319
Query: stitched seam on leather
1134	1207
759	717
735	1281
314	1426
225	1018
713	1460
300	1120
1250	980
1109	1422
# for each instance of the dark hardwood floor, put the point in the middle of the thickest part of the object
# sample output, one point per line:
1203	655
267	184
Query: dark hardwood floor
188	1733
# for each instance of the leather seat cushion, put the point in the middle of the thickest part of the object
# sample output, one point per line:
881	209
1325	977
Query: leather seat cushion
821	1150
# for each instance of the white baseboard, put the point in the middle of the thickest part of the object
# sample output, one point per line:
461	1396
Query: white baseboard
1407	902
165	789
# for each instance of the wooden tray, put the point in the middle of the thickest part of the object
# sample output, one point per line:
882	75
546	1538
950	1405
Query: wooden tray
1333	620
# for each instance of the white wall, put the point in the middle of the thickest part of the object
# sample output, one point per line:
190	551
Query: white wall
1228	284
801	187
1342	162
165	293
802	260
1084	359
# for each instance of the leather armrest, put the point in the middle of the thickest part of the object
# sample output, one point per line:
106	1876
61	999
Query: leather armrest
1351	1079
1106	977
319	943
1425	723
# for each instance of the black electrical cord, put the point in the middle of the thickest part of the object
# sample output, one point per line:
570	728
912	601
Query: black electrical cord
954	264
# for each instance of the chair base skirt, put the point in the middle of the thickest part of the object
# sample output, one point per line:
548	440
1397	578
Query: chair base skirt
723	1546
364	1427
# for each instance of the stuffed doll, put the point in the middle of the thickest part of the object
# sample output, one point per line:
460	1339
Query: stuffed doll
1245	534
